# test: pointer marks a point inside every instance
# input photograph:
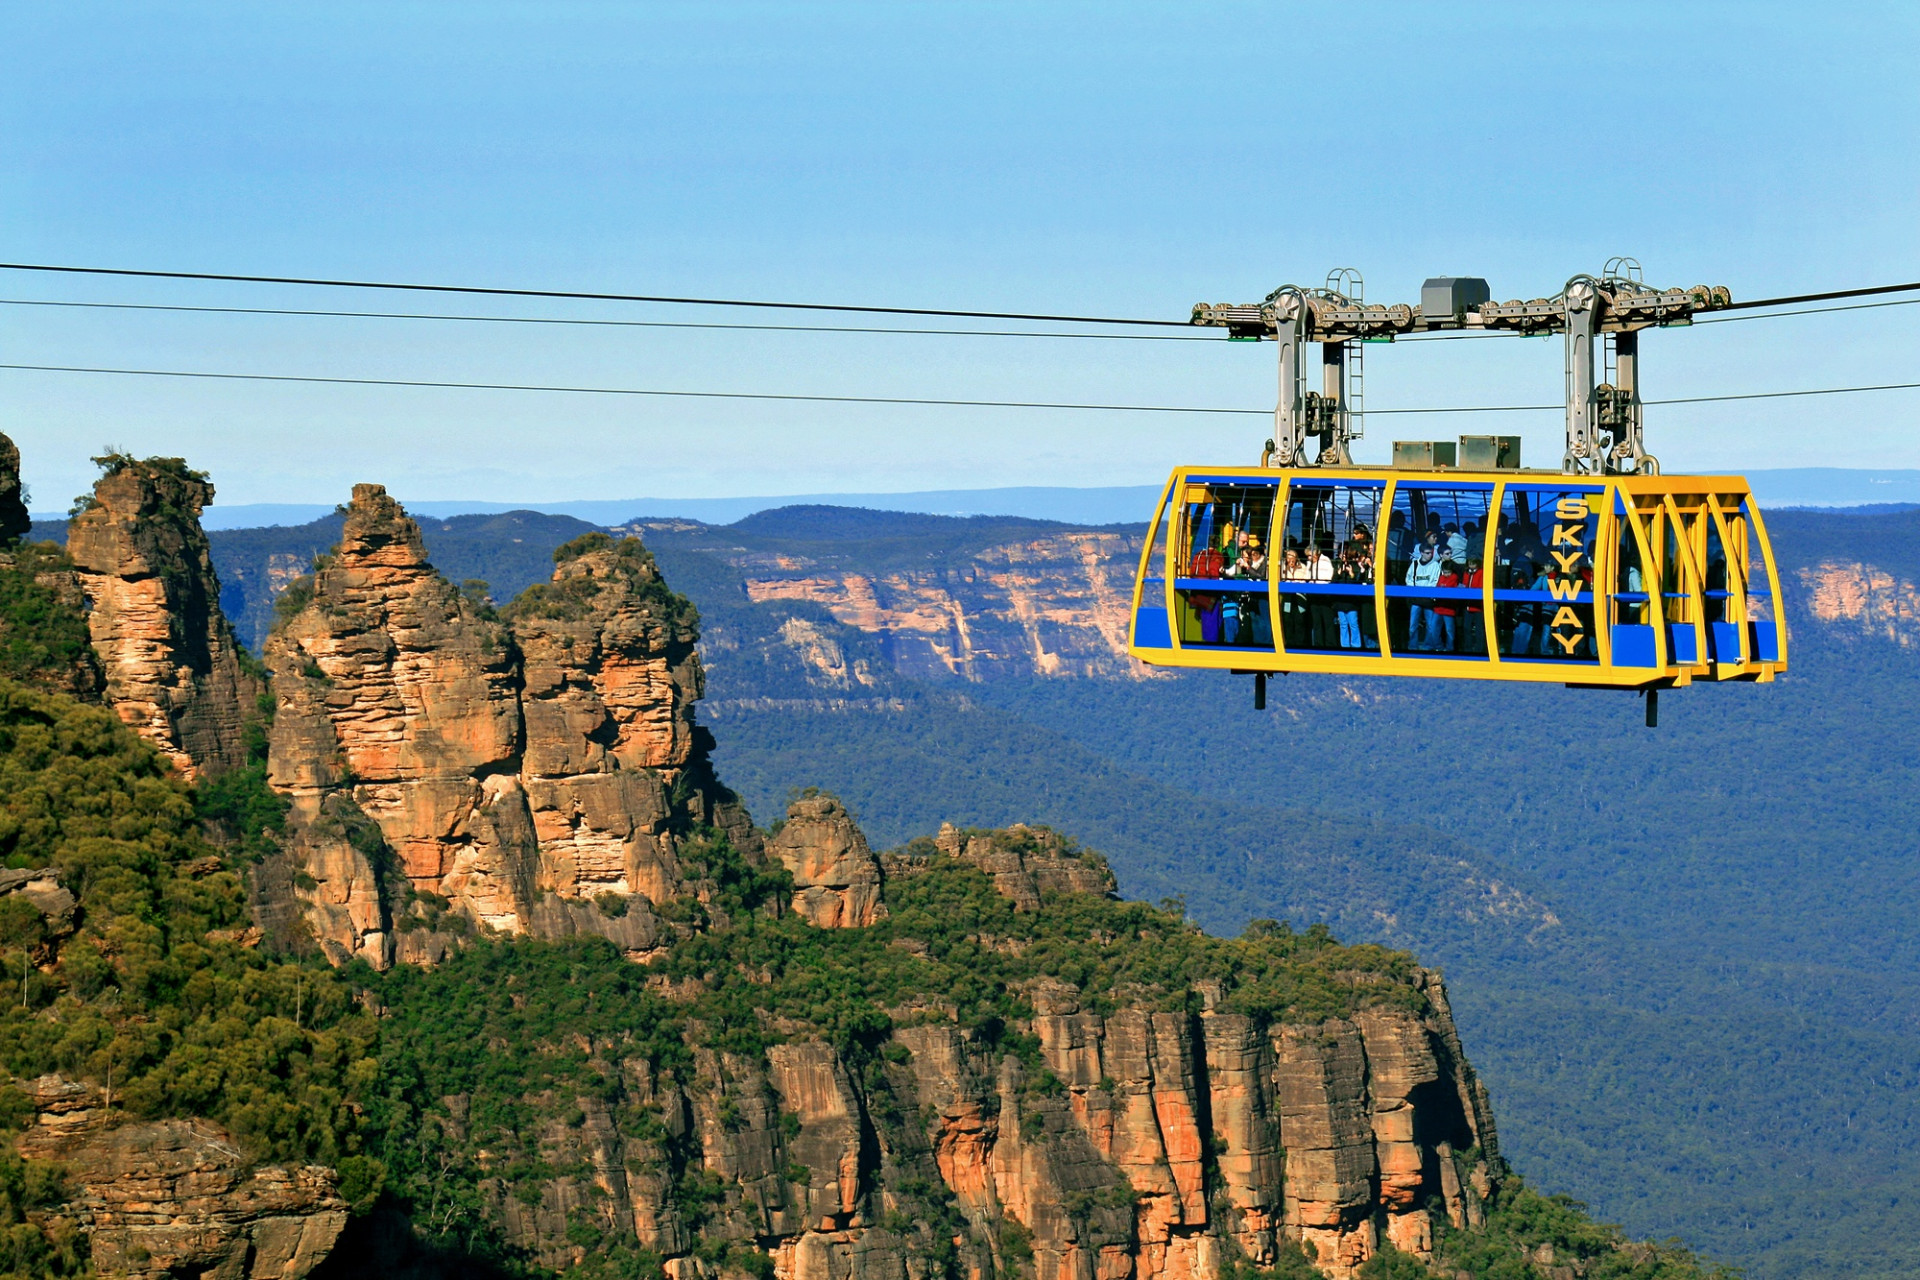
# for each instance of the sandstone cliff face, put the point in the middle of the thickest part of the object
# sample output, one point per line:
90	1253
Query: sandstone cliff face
172	665
1161	1137
441	759
1049	606
1864	600
166	1198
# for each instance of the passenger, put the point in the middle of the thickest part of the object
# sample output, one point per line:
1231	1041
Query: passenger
1206	563
1229	549
1399	542
1346	571
1444	635
1253	564
1474	634
1320	629
1293	607
1424	572
1363	574
1543	614
1519	578
1456	546
1252	560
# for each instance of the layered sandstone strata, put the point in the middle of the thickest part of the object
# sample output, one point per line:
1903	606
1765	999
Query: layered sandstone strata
173	668
836	878
165	1198
511	771
1048	606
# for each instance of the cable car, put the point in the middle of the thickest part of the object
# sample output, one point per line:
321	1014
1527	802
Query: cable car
1455	562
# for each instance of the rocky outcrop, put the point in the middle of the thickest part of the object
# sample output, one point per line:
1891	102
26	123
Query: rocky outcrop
510	772
15	520
173	668
166	1198
1028	861
836	878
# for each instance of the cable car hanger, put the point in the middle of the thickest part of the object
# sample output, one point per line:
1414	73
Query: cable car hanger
1604	419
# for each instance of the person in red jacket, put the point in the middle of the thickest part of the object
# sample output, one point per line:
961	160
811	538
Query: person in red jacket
1445	612
1473	637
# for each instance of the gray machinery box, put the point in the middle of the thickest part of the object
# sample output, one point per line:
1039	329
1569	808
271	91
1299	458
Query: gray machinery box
1423	454
1490	453
1451	297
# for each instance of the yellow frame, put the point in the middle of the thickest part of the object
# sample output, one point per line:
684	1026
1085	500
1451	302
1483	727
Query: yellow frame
1650	506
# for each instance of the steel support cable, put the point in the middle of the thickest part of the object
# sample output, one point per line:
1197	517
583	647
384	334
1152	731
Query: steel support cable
802	328
593	323
577	295
899	400
581	295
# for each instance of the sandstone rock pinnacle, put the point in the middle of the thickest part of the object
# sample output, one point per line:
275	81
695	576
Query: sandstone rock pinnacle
172	664
14	518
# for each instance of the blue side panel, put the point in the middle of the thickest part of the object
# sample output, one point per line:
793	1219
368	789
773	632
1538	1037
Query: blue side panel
1766	642
1680	644
1633	646
1724	639
1150	629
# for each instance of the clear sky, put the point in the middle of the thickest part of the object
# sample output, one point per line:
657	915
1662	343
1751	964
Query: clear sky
1104	158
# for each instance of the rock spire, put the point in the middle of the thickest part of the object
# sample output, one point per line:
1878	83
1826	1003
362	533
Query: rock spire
173	667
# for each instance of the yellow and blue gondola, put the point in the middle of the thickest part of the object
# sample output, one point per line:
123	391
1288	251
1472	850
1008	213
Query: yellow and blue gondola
1611	581
1603	574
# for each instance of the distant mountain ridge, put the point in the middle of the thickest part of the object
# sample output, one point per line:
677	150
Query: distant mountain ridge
1107	504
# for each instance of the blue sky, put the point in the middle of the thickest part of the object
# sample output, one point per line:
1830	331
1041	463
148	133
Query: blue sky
1104	159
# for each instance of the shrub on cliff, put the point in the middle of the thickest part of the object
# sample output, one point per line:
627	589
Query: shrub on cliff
43	637
572	596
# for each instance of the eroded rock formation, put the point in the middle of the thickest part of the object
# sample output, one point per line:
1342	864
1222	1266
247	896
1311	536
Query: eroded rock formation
173	668
510	770
15	519
836	878
166	1198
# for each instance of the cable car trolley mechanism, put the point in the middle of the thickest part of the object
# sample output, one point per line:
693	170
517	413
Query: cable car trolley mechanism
1454	561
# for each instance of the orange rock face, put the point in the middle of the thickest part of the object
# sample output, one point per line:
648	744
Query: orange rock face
1863	599
171	661
1053	606
515	768
836	879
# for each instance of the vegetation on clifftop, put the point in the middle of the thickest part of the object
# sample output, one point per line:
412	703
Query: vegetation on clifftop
153	995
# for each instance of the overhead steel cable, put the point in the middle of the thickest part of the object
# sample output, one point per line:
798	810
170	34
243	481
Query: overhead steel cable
587	322
618	324
581	295
1810	311
1829	296
896	400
